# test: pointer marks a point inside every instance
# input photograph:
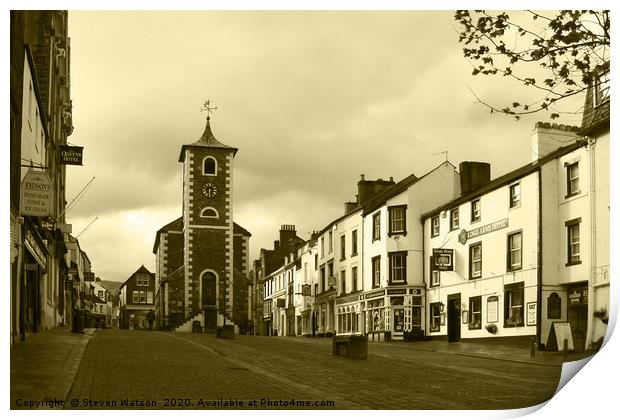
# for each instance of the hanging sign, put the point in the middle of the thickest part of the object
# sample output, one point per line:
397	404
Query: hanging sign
443	259
71	155
306	290
36	194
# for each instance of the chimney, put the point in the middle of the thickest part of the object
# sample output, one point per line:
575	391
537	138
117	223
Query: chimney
474	175
287	233
368	188
276	245
548	137
349	206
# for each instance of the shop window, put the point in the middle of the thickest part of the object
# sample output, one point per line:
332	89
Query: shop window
475	313
209	166
398	267
376	271
515	195
434	317
476	211
513	305
397	220
574	242
435	226
376	226
572	179
475	260
514	254
454	218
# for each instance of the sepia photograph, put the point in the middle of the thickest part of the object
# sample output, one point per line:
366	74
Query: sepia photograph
307	209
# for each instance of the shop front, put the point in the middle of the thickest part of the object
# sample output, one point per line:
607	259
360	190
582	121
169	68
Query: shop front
394	313
325	308
34	267
349	315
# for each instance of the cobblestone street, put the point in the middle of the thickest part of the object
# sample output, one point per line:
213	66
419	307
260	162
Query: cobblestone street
197	370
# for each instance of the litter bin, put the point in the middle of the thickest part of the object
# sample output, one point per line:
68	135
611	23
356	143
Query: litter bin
196	327
78	321
352	346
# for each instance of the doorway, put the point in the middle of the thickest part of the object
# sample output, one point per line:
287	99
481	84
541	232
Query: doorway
209	300
454	318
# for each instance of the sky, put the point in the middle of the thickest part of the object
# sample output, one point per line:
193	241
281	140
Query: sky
312	99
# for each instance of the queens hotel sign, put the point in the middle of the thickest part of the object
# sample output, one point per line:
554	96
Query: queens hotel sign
464	236
36	194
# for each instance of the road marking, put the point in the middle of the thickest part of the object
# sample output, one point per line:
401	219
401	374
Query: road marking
312	391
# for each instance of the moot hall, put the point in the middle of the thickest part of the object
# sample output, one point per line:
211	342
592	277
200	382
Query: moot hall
202	257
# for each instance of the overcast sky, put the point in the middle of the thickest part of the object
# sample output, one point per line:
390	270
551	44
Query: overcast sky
311	99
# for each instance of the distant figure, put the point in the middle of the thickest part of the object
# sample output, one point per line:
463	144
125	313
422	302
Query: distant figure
151	318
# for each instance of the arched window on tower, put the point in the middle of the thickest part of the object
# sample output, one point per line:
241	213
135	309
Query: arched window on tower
209	213
209	166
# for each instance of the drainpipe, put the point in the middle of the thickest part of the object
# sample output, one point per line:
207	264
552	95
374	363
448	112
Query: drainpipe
540	262
592	197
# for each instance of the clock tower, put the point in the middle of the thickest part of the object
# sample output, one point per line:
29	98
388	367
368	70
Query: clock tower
208	228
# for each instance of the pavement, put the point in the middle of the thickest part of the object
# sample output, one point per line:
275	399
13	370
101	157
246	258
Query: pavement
57	364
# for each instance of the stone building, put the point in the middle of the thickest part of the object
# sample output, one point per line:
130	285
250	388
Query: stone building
198	254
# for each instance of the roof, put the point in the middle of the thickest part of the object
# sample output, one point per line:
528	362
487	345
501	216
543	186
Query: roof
506	178
206	140
239	229
111	286
176	225
142	269
595	117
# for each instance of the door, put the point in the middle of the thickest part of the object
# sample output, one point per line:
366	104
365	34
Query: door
209	300
454	318
578	318
398	321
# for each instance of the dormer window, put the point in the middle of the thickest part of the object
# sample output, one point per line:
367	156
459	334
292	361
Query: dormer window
209	213
209	166
602	89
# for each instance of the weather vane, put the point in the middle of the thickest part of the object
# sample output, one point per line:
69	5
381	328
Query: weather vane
207	107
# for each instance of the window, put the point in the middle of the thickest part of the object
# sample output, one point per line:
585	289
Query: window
354	279
322	246
475	313
513	305
316	261
514	251
475	260
376	271
376	226
602	89
149	297
354	243
435	226
435	277
397	220
142	296
142	280
515	195
475	211
100	294
398	267
454	218
331	242
136	297
322	278
209	166
343	254
209	212
343	282
435	317
572	234
572	179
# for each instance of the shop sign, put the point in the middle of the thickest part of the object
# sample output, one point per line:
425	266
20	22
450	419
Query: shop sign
416	291
531	313
397	291
347	299
64	227
35	249
375	294
492	309
71	155
30	266
464	236
280	303
443	259
331	281
36	194
306	290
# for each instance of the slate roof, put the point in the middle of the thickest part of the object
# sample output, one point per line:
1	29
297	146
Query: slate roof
239	229
176	225
206	140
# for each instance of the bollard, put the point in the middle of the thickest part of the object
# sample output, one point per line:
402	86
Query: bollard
565	349
533	347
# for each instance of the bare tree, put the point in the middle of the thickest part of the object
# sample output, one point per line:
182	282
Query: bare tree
569	48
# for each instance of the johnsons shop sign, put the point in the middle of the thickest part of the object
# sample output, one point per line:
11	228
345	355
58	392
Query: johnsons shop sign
36	194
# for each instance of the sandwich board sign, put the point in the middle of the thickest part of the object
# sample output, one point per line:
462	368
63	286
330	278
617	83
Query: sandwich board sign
558	333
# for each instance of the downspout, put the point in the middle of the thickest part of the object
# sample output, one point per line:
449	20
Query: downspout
362	254
591	301
540	262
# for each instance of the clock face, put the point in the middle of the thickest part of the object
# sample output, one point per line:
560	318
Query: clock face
209	190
